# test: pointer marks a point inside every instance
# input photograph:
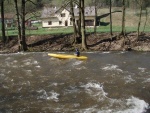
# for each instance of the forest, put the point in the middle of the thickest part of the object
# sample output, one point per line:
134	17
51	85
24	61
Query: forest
28	9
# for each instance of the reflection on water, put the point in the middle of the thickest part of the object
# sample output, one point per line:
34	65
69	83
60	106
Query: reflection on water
108	82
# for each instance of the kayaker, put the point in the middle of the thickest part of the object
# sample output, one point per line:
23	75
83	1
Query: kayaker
77	53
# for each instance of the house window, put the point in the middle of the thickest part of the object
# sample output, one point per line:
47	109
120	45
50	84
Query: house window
71	23
89	22
71	19
63	15
60	22
49	22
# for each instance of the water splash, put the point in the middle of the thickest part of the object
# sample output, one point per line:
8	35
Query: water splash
135	105
48	96
129	79
95	90
142	69
111	67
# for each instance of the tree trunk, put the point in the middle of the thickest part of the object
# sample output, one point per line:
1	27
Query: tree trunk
123	18
146	14
23	44
79	21
73	17
139	23
110	19
18	23
3	21
95	16
84	45
73	21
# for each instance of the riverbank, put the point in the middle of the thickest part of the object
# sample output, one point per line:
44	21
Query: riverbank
95	42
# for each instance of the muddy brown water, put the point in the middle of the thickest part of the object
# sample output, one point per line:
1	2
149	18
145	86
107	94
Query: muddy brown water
107	82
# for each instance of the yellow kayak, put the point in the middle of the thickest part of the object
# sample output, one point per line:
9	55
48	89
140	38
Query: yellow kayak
65	56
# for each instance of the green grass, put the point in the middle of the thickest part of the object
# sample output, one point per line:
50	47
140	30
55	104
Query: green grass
44	31
41	31
117	29
68	30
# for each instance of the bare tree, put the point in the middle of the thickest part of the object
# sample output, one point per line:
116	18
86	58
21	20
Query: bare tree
79	21
84	45
73	20
23	37
18	23
110	18
95	3
146	14
123	18
73	17
140	2
21	23
3	21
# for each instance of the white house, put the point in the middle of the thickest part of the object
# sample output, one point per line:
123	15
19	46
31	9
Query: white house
56	17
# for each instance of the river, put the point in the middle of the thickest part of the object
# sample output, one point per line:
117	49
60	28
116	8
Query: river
107	82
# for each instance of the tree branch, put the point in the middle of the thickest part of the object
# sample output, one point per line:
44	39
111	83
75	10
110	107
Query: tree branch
31	2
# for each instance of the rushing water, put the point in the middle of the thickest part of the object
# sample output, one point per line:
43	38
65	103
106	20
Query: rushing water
107	82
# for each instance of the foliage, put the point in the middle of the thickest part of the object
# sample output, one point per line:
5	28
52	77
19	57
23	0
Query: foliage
57	2
38	4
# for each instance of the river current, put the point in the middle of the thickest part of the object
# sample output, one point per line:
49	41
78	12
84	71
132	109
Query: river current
107	82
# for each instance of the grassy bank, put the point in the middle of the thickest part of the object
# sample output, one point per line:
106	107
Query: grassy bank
68	30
